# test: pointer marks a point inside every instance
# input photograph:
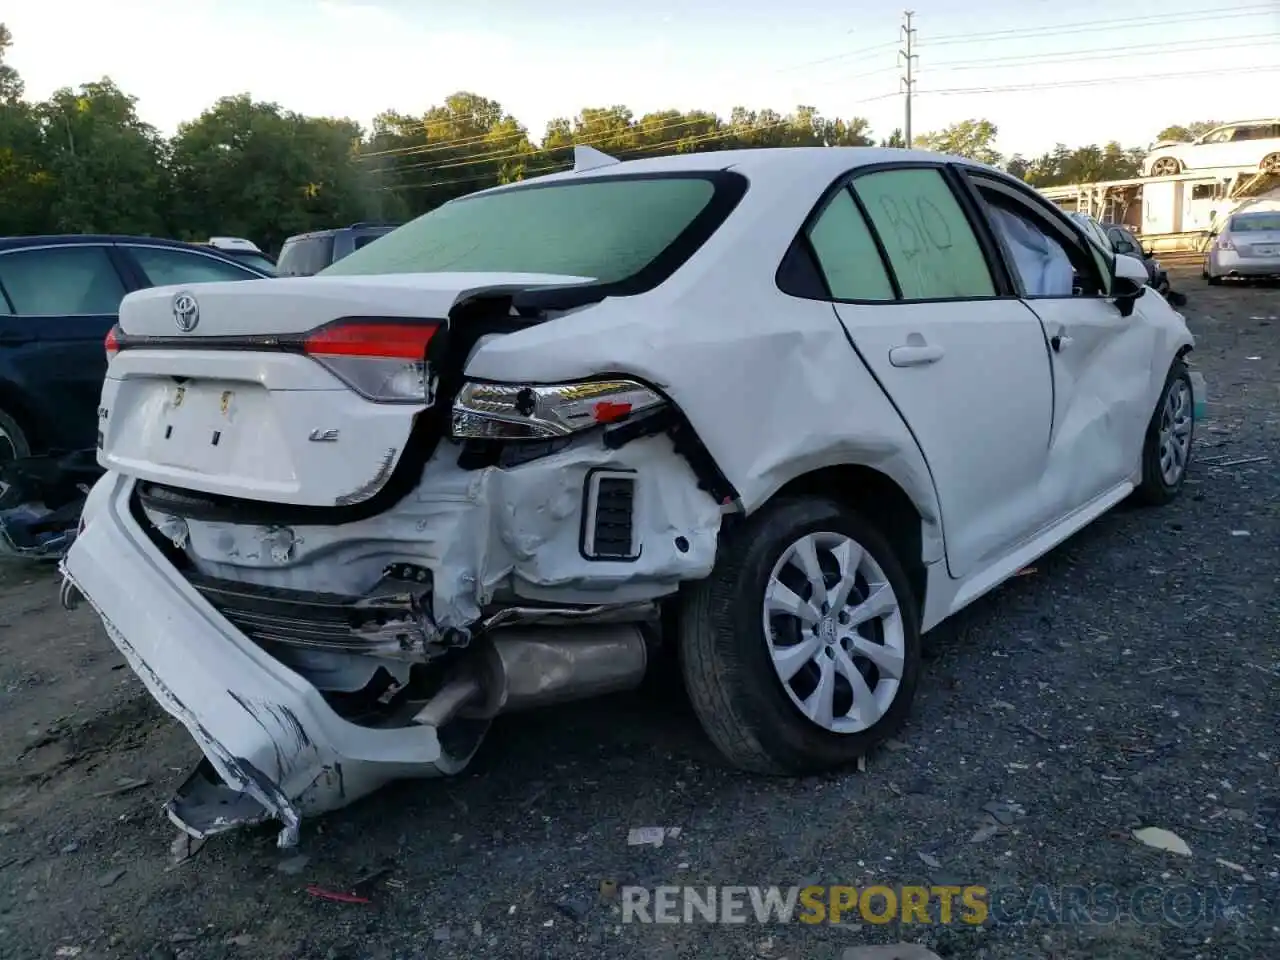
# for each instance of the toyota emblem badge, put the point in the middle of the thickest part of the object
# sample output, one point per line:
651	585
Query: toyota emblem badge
186	312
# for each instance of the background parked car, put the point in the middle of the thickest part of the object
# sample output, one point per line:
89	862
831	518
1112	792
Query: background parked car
1117	238
59	296
1247	247
307	254
246	251
1251	143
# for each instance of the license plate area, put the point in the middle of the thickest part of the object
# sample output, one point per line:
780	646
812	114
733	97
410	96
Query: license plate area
202	426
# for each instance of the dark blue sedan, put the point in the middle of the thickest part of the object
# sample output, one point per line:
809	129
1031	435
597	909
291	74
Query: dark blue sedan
59	296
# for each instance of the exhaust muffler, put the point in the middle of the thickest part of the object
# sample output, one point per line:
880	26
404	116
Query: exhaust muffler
522	669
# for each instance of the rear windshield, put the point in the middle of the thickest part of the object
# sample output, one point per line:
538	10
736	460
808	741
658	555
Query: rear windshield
1248	222
305	256
608	229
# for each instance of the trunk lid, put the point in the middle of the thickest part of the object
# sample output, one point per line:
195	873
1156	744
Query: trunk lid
227	388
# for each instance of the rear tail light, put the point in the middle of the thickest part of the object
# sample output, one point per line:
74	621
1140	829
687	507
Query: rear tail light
382	360
112	343
1224	243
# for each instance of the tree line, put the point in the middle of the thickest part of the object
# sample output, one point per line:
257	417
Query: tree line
83	161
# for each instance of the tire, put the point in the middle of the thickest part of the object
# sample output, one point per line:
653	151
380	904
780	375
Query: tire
1157	487
729	674
13	446
1158	168
1270	164
1212	280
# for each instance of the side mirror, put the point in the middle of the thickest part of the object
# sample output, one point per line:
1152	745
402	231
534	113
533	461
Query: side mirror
1129	282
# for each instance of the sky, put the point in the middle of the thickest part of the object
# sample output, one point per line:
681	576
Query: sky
1089	71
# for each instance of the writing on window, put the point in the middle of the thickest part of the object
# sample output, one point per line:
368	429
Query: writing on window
926	235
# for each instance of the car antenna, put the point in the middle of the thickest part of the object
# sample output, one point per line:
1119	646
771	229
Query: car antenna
589	158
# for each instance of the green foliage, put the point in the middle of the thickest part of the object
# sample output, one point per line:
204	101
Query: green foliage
83	161
1187	133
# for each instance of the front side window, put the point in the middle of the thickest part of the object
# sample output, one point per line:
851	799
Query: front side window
1040	261
167	267
847	254
61	281
1218	136
931	247
608	229
1047	263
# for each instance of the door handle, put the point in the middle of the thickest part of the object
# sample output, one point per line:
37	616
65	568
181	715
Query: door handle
1060	342
915	355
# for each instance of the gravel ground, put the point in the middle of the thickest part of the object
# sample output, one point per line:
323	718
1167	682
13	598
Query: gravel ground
1131	680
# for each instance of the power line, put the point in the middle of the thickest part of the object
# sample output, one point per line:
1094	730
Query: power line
639	151
499	156
1235	71
413	150
1104	53
999	36
949	91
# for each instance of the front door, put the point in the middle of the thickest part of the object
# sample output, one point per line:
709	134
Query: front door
1101	360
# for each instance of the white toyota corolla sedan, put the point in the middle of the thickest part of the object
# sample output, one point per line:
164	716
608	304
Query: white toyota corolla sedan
779	410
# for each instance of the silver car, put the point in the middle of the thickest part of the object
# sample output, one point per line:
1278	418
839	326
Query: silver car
1247	247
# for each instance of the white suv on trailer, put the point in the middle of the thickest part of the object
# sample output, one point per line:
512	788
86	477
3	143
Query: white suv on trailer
782	409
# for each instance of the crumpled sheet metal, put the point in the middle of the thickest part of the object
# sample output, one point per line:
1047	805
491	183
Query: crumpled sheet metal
481	530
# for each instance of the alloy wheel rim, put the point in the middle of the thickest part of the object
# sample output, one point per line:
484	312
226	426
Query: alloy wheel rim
1175	433
834	630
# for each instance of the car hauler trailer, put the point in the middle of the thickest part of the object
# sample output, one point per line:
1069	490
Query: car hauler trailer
1172	214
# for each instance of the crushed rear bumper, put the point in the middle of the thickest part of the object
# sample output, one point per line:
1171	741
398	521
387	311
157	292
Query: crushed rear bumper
278	750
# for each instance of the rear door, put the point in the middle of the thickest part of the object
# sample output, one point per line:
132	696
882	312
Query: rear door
62	301
1101	360
964	363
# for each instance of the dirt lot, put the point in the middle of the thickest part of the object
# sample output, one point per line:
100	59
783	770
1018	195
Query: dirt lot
1132	679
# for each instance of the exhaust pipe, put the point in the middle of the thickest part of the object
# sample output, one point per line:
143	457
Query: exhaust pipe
537	667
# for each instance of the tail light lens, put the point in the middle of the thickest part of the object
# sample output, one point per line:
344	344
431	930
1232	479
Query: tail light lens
508	411
1224	243
112	342
382	360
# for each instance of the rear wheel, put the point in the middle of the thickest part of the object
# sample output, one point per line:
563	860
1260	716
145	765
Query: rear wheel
1166	451
1270	164
13	446
1212	280
801	651
1165	167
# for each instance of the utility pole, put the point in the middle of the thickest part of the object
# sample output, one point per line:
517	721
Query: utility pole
908	57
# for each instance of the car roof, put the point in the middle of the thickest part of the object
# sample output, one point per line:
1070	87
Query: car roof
335	230
97	239
77	239
816	163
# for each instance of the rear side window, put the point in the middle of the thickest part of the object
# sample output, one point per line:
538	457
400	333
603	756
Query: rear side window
305	256
847	253
166	267
61	281
933	250
607	229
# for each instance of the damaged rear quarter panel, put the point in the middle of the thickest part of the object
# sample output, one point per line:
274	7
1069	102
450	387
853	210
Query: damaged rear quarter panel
770	383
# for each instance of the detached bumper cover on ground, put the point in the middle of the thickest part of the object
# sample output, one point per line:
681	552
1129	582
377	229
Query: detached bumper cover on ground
279	749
